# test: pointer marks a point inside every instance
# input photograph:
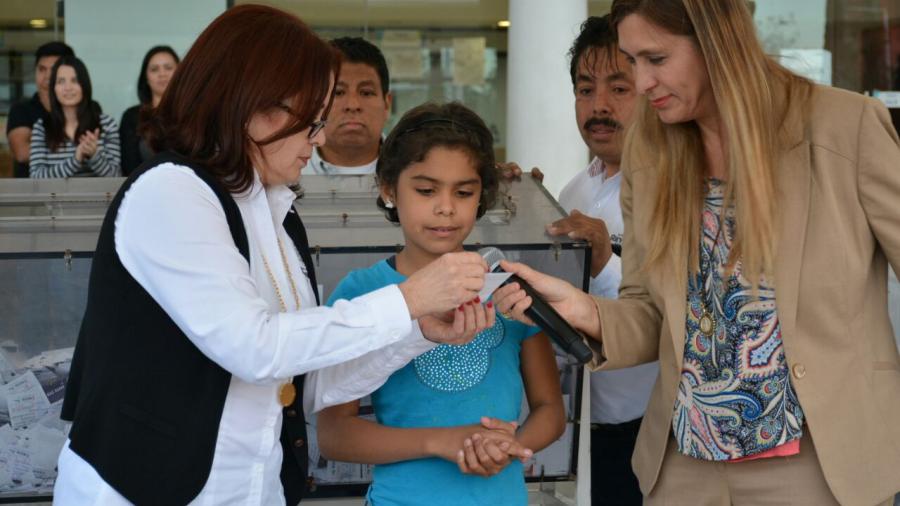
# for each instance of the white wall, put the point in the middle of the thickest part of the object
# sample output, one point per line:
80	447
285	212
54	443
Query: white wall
794	24
113	36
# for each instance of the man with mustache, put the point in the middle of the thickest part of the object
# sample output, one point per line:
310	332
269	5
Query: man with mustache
362	104
604	101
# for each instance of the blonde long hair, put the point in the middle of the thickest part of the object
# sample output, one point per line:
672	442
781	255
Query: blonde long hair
753	94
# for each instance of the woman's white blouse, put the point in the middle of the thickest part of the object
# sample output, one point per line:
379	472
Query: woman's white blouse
172	236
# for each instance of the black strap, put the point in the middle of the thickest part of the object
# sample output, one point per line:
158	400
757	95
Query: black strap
293	225
293	430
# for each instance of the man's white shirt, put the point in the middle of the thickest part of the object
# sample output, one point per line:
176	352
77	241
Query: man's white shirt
616	396
318	166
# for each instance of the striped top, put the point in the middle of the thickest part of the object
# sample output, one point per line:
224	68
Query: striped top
106	161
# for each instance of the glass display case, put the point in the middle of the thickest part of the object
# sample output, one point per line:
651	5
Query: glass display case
48	231
346	232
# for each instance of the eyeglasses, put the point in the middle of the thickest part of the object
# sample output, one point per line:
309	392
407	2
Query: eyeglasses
314	128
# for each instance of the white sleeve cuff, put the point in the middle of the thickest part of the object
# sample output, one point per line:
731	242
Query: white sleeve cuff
390	310
606	283
360	377
416	344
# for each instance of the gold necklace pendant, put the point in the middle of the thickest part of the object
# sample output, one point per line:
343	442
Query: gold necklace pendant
287	270
287	394
707	320
707	323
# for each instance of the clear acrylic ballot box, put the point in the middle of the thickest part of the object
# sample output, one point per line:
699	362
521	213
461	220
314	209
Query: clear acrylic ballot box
48	232
347	232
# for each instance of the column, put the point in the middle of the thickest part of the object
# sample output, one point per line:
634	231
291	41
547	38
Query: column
541	127
540	117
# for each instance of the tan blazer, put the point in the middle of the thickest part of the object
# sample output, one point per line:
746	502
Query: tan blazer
839	204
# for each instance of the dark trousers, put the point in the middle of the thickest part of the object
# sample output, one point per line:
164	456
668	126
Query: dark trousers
613	483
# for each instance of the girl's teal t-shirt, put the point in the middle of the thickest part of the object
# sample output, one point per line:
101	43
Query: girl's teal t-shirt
445	387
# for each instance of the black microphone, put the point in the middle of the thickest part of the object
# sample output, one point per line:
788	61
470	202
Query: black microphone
542	313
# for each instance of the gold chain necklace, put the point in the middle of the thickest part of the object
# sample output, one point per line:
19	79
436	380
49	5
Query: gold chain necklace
287	270
708	322
287	392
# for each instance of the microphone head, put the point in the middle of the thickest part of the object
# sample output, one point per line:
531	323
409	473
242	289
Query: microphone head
492	256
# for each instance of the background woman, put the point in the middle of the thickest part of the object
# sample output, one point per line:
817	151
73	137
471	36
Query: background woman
201	308
760	217
156	71
77	139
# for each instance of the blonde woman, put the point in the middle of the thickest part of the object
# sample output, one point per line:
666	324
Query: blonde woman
761	213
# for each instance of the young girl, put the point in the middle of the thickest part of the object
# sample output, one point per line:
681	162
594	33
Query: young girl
77	138
436	176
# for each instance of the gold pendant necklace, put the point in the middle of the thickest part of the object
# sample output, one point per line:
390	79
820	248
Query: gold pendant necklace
274	282
707	322
707	319
287	392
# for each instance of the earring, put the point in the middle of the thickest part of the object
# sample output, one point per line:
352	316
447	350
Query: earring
388	204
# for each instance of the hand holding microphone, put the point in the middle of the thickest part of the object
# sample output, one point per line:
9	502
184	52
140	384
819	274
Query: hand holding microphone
545	301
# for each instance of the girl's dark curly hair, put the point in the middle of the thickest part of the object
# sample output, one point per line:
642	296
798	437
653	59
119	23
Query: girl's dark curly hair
431	125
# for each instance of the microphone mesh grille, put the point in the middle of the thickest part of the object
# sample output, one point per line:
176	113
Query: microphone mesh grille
492	256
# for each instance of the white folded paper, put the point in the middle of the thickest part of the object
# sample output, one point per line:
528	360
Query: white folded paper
25	399
492	282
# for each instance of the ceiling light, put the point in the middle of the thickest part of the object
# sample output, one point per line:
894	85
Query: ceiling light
38	23
503	23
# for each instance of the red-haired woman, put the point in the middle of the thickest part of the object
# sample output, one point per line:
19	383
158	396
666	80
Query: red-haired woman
201	309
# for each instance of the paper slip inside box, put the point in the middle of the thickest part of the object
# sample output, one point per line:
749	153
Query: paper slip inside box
7	371
25	399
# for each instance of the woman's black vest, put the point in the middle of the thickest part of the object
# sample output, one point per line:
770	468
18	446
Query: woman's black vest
144	401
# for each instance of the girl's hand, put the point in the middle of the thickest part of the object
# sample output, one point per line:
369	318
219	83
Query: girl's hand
84	149
477	450
489	451
483	456
88	144
79	152
574	305
496	427
447	443
461	326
